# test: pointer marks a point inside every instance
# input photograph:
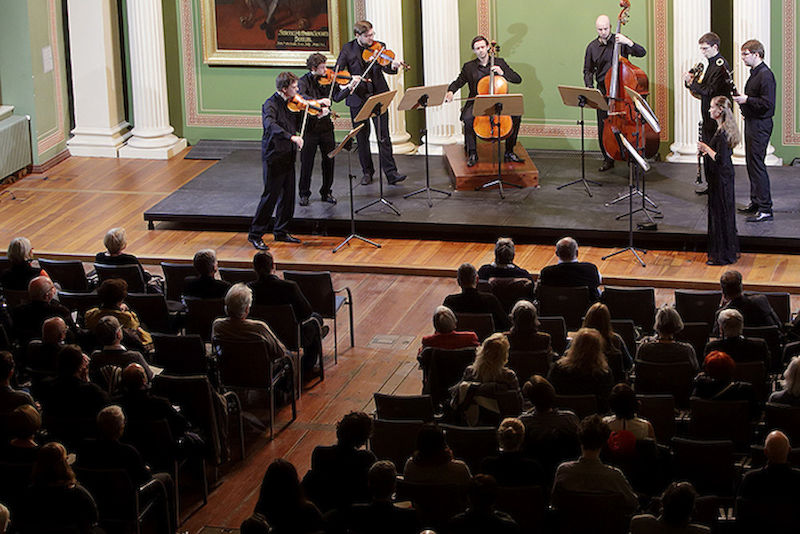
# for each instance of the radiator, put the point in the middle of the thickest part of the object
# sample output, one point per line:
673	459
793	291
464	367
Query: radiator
15	145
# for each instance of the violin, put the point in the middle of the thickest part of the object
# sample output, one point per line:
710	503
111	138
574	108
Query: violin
493	126
297	104
341	77
378	52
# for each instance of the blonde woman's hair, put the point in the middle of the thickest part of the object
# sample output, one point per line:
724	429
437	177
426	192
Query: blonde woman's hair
586	352
490	358
115	240
599	318
20	250
728	124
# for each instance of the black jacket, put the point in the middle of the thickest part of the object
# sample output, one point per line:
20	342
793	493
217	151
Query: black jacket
572	274
755	309
470	300
350	59
472	72
272	291
205	287
280	125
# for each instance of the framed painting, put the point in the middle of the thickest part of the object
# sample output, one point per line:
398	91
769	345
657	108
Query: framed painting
268	32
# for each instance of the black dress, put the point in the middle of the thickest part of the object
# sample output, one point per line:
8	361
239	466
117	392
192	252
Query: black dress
723	243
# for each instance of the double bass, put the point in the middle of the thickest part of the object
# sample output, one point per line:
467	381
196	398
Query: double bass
621	107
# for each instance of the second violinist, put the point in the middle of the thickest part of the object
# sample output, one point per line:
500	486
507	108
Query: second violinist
471	73
318	132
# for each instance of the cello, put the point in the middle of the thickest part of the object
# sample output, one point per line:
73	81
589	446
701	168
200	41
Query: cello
621	107
494	126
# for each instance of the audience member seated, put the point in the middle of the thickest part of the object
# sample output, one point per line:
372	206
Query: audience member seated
21	272
5	519
108	452
338	475
790	394
41	355
481	517
588	473
503	264
742	349
282	503
112	295
28	318
70	396
109	336
755	309
584	370
204	285
55	502
270	290
487	376
25	424
663	348
551	434
716	383
237	327
10	398
470	300
115	242
776	481
599	318
524	333
445	335
624	405
511	467
433	463
569	272
677	506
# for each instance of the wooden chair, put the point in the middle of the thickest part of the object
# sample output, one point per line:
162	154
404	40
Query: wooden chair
697	306
132	274
403	407
480	323
69	274
557	328
635	303
570	303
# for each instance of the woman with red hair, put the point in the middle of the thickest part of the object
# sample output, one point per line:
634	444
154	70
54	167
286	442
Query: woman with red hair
716	382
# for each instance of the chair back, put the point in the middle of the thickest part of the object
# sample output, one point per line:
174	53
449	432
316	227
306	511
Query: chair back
244	364
109	377
697	306
435	504
526	363
154	441
15	297
582	405
395	441
69	274
785	418
756	374
627	331
14	478
598	513
758	457
403	407
471	444
570	303
557	328
635	303
509	291
441	369
696	335
174	275
282	321
716	420
200	315
660	411
4	263
132	274
779	300
766	515
772	336
527	505
114	493
665	378
79	302
180	355
480	323
152	311
233	275
708	465
317	288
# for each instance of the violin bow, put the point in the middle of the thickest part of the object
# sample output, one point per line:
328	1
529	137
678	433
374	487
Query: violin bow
371	63
333	82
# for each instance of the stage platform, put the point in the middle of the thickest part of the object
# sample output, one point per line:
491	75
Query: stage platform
226	195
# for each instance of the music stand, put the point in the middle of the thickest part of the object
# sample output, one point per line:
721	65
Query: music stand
347	145
582	97
421	98
375	106
494	106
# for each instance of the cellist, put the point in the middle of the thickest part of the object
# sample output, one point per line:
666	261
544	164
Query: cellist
471	73
599	55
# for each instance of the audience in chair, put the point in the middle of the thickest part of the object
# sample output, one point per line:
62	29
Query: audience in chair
716	383
524	333
790	394
25	424
70	396
433	463
42	355
204	285
470	300
624	405
599	318
776	481
677	506
445	335
20	272
569	272
237	327
112	295
584	370
28	318
115	241
481	516
755	309
512	467
282	503
742	349
113	353
503	264
10	398
663	347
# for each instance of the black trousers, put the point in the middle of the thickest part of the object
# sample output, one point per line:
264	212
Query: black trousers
381	124
756	139
320	137
278	195
470	139
312	343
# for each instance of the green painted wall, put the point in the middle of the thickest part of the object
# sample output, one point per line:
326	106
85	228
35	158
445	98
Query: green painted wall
15	57
776	61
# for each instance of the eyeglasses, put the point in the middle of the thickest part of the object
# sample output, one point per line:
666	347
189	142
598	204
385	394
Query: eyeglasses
746	53
705	47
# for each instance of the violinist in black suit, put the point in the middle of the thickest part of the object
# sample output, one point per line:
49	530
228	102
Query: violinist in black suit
362	86
471	73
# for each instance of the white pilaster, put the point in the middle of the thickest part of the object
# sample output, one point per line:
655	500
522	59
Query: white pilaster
691	19
442	64
100	126
387	18
751	20
152	134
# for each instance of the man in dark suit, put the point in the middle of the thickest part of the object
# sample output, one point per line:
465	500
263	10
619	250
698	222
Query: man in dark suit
363	85
569	272
42	354
776	480
734	344
279	144
29	318
755	309
270	290
205	286
471	73
470	300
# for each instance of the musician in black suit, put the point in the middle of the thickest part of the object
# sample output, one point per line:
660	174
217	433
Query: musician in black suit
362	86
715	81
569	272
755	309
279	144
471	73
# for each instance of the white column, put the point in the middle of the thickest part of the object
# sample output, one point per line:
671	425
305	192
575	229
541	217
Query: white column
152	134
387	18
691	19
442	64
751	20
100	126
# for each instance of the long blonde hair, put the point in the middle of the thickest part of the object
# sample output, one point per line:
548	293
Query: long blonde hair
728	123
586	353
490	358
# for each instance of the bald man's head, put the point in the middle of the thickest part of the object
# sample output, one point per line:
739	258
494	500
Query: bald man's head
54	330
777	447
603	27
41	288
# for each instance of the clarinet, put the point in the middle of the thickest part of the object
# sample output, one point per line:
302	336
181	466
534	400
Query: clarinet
699	179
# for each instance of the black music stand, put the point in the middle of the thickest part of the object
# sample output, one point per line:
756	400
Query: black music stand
422	98
347	146
375	106
582	97
494	106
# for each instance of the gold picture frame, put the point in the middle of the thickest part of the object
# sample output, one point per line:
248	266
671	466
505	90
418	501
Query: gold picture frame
298	29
